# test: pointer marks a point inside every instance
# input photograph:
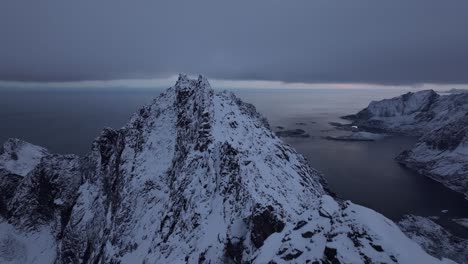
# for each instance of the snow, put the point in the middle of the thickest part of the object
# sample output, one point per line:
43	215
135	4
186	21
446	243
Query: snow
58	201
442	155
434	238
198	175
400	111
409	251
18	247
20	157
379	232
461	221
414	113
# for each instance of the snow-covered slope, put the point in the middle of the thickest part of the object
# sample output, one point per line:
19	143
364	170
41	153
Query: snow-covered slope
442	123
17	158
20	157
412	113
442	154
194	177
434	238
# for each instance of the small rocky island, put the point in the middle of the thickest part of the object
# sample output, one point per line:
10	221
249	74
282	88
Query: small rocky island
358	136
299	133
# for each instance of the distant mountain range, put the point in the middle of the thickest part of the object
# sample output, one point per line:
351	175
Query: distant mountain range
455	91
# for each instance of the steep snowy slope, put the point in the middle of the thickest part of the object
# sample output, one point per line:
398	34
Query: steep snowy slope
194	177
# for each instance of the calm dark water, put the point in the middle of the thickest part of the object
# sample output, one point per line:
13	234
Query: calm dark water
364	172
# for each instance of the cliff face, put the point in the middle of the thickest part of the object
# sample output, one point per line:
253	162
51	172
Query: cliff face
442	123
194	177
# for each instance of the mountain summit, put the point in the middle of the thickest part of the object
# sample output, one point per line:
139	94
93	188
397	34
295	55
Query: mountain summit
194	177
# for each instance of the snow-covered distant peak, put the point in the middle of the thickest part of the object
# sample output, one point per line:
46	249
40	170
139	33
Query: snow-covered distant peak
406	104
20	157
412	113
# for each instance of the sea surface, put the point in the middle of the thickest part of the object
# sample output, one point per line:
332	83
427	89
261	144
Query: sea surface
67	121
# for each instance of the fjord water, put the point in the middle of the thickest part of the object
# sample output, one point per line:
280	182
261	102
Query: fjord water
364	172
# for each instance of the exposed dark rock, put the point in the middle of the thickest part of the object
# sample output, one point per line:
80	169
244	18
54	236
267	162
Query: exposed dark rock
330	255
448	137
300	224
377	247
234	249
295	253
8	184
264	223
281	251
307	234
202	258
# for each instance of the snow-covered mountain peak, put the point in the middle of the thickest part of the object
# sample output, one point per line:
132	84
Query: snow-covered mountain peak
184	82
406	104
194	177
20	157
412	113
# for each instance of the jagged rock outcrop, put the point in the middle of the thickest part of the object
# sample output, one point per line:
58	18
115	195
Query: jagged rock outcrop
442	123
194	177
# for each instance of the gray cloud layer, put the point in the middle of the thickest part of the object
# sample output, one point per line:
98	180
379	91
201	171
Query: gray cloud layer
398	41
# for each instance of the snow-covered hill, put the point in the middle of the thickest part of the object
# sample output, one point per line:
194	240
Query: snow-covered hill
442	154
412	113
442	123
194	177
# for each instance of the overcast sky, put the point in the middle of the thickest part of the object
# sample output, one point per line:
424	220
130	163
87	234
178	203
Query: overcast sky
383	42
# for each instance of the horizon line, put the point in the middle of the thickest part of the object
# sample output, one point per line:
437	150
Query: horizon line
147	83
